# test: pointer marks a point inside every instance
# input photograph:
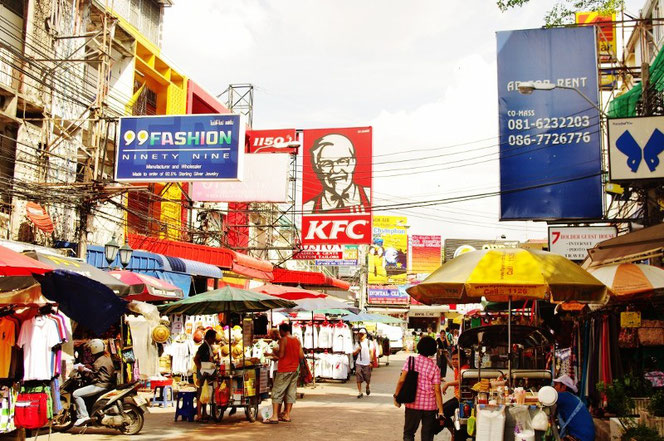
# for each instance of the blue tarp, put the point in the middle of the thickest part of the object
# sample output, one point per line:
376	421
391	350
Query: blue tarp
84	300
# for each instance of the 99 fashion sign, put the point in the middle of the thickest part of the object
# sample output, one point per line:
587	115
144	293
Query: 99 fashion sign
336	186
180	148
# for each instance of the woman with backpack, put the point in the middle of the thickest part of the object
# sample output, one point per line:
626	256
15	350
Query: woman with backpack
420	381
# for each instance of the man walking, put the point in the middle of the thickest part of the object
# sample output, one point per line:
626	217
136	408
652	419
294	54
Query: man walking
363	363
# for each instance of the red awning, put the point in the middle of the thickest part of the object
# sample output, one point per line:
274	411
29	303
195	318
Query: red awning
307	278
224	258
39	217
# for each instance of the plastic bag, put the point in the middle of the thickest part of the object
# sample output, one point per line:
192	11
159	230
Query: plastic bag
540	421
265	412
521	417
205	393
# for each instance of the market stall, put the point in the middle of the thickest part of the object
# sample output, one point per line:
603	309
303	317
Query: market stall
238	380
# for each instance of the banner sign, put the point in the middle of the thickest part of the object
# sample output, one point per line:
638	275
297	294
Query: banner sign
388	254
180	148
606	32
336	186
265	180
634	148
574	242
349	257
336	255
271	141
550	157
456	247
386	295
425	254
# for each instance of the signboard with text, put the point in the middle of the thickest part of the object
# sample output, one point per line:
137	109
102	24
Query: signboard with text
386	295
271	141
180	148
388	254
574	242
550	157
336	186
606	31
334	255
425	254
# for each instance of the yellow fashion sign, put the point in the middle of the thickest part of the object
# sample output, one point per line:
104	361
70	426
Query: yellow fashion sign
388	255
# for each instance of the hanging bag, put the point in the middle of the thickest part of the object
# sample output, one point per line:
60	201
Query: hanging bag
305	372
31	410
408	390
205	393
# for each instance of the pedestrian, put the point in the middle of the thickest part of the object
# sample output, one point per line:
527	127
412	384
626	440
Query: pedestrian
428	404
363	363
443	358
574	419
204	354
284	390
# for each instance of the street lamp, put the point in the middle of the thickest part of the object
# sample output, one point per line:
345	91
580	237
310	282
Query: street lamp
125	254
111	251
527	87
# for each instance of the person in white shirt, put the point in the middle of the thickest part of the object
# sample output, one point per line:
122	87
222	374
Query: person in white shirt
363	363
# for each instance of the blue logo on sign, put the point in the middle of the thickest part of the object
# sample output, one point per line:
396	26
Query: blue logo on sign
627	145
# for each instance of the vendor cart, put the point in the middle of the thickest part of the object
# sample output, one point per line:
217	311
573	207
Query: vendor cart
243	388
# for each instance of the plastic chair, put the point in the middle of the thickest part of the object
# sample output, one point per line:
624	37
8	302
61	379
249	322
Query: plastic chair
162	396
185	406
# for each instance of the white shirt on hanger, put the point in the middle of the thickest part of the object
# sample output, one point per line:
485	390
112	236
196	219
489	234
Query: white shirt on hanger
37	337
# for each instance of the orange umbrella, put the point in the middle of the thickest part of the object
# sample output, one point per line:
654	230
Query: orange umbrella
628	281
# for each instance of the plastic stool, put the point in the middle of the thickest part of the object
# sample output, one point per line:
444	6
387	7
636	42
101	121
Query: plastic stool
185	406
162	396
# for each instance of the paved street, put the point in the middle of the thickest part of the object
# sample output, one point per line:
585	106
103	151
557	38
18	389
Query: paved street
329	411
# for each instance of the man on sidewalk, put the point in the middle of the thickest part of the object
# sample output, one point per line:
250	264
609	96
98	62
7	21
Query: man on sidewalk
363	363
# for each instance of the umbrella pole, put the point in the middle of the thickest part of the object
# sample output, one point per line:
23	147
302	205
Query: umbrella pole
509	341
313	349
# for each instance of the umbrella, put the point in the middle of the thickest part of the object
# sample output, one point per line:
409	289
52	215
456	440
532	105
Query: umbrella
226	299
288	292
321	304
146	288
509	274
628	281
82	268
374	318
16	264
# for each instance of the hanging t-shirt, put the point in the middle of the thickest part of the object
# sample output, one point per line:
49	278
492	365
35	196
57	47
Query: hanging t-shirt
325	337
297	333
7	341
37	337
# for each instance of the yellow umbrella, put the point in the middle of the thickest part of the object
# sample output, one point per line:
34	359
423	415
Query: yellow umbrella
505	274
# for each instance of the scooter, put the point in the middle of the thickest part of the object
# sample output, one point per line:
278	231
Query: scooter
120	408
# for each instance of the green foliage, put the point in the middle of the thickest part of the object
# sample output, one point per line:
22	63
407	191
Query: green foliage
656	405
637	386
617	400
562	12
641	433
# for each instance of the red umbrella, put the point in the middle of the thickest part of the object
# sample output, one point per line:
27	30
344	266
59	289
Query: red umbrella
17	264
147	288
288	292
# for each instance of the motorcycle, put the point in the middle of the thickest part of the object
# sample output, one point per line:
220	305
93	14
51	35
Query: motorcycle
119	408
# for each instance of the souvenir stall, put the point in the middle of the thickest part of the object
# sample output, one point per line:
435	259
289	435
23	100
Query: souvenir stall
504	365
237	379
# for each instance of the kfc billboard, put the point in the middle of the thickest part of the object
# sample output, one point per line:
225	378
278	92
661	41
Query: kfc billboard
336	186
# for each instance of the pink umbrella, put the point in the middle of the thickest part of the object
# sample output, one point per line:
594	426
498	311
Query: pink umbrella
17	264
147	288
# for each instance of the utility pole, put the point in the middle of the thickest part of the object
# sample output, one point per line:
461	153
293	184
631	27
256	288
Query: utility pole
362	255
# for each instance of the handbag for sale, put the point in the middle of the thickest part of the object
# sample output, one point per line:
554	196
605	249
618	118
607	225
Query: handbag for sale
31	411
408	390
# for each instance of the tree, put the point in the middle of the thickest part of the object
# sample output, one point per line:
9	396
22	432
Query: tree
562	12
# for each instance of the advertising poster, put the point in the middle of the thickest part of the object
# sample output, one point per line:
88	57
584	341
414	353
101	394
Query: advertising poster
425	254
271	141
180	148
550	157
574	242
388	253
335	255
336	186
386	295
606	31
635	145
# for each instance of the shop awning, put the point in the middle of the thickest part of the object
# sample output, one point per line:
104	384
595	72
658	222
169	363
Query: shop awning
284	276
224	258
38	215
631	247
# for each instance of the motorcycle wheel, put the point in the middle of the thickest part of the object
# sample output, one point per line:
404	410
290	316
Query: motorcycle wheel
218	412
65	420
137	420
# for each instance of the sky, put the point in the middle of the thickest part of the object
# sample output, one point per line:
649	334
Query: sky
421	73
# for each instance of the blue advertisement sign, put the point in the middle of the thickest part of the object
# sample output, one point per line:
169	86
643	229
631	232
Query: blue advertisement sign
180	148
550	140
386	295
